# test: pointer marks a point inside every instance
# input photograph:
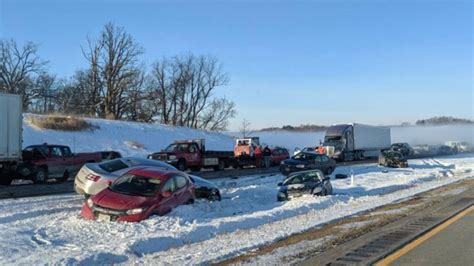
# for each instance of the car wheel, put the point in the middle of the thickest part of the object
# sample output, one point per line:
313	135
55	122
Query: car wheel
65	176
181	165
41	176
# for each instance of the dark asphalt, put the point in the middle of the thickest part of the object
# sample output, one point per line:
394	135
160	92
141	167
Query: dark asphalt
452	246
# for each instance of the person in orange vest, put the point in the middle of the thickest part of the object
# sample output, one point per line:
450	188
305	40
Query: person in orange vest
258	156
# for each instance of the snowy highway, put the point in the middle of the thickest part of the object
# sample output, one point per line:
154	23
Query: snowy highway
49	228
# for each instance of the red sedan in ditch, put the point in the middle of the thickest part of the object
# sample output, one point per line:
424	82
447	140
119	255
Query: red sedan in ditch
139	194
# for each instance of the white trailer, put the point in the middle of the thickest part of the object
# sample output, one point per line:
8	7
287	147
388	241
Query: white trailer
355	141
10	135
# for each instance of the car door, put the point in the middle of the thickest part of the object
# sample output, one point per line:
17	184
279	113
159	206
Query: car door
276	156
326	163
193	155
56	162
167	203
69	162
182	195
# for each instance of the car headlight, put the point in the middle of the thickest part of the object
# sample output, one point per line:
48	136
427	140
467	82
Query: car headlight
317	190
134	211
90	202
172	157
300	166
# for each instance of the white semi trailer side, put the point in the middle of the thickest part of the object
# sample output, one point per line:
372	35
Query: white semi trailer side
10	135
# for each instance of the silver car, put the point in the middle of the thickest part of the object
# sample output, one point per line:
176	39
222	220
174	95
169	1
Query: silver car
95	177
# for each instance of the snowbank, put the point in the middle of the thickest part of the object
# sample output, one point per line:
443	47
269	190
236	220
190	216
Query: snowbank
125	137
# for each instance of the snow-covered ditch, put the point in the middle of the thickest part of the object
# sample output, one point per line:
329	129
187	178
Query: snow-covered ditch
49	229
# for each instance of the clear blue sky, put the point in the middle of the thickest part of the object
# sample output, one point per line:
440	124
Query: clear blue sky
289	62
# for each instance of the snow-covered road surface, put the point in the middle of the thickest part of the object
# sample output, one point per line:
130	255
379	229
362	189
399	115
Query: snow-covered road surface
49	229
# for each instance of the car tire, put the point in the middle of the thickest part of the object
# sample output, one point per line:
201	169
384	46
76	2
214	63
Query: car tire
182	165
65	177
40	176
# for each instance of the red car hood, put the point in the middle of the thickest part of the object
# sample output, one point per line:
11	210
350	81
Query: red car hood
113	200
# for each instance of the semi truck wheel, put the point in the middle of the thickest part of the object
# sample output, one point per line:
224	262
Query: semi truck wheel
41	176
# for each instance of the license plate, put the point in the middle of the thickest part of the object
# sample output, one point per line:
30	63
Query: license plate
103	217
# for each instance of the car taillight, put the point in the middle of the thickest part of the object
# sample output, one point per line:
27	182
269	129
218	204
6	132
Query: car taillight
92	177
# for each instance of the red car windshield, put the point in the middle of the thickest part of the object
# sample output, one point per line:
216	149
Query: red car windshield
130	184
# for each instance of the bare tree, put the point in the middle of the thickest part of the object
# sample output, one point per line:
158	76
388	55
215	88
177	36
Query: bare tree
245	128
17	64
216	117
113	60
44	93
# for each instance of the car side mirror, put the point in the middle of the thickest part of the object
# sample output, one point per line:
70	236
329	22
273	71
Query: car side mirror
280	184
166	194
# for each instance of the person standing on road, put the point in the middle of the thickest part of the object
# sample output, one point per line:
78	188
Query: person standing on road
258	156
267	156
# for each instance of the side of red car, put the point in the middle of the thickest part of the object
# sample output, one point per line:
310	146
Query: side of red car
140	194
279	154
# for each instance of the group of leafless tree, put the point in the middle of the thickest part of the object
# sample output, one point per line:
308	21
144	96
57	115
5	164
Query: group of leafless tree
179	90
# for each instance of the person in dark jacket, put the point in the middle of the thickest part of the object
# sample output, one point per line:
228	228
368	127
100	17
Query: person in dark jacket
267	156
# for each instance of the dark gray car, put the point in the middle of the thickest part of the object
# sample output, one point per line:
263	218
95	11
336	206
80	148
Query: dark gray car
308	161
311	182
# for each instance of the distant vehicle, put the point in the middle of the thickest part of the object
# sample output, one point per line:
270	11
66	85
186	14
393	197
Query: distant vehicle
139	194
395	159
11	123
311	182
402	147
278	155
460	146
348	142
446	150
42	162
95	177
110	155
192	154
244	152
307	161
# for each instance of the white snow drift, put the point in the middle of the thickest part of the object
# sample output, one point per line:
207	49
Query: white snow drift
49	229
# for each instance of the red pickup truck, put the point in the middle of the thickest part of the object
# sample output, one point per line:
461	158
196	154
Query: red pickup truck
42	162
192	154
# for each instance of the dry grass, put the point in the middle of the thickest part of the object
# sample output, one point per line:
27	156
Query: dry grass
63	123
134	144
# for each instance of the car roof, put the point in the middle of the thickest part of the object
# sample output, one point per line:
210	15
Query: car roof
151	172
304	172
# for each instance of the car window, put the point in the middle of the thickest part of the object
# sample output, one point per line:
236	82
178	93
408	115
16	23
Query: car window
169	186
130	184
66	151
113	165
56	151
324	158
181	181
318	159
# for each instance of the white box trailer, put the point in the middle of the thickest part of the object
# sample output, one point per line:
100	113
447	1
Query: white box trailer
356	141
11	122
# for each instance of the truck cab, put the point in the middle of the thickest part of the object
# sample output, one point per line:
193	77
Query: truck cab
244	152
192	154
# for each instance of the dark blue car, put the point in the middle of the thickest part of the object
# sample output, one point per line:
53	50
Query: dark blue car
304	161
312	182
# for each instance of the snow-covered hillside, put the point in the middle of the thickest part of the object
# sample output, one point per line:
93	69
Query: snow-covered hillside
50	230
120	136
